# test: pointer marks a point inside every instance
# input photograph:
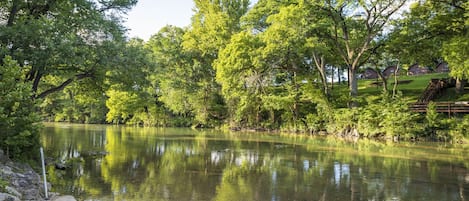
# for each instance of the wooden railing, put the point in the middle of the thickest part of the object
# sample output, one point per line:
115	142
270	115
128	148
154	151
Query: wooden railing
443	107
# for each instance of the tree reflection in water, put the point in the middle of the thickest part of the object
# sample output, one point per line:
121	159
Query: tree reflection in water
184	164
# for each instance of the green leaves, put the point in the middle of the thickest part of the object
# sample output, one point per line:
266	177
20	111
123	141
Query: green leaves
429	26
19	135
455	52
64	39
122	105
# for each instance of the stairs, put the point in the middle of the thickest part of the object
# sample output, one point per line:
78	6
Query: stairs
434	89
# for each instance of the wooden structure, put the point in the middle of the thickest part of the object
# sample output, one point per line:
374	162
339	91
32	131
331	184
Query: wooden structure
442	68
434	89
418	70
443	107
389	71
370	73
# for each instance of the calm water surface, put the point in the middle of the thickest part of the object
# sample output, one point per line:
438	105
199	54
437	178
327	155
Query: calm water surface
122	163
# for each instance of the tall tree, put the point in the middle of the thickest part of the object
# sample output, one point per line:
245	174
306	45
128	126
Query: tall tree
213	23
243	78
455	53
432	32
61	38
264	68
174	76
354	28
296	32
456	49
133	97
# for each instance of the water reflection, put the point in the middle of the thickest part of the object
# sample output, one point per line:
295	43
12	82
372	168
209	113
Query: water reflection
119	163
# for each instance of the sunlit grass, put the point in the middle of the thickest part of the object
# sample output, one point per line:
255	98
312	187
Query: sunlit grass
410	86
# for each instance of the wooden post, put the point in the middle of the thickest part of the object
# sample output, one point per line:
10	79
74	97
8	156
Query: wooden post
449	109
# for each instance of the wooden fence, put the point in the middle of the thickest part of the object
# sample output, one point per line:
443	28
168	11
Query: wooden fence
443	107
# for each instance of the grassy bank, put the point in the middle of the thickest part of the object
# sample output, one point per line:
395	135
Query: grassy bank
382	115
410	86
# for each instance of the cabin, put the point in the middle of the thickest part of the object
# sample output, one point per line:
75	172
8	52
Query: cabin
418	70
389	71
370	73
442	67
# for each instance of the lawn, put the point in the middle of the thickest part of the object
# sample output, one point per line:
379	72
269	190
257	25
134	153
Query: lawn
410	86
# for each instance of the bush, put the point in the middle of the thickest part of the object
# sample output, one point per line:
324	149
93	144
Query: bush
384	117
343	119
19	127
459	129
397	119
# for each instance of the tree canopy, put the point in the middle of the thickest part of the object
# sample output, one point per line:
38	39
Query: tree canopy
264	65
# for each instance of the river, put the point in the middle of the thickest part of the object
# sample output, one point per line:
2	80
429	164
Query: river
129	163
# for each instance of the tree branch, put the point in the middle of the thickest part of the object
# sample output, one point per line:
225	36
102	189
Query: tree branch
64	84
13	12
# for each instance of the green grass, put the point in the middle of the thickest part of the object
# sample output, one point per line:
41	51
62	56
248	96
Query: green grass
410	86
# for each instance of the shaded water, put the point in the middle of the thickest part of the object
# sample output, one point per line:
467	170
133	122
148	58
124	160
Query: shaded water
122	163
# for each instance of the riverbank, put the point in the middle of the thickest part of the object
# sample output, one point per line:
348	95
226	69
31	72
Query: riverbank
125	163
18	181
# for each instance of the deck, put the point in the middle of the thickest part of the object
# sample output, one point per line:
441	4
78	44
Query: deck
442	107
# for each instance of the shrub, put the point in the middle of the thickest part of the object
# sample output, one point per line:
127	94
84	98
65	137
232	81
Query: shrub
386	116
19	128
397	119
459	129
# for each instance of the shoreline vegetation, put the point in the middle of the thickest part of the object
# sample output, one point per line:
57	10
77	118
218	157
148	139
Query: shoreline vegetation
380	115
289	66
295	66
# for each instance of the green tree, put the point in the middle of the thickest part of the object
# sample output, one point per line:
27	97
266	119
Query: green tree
19	135
173	74
213	23
62	39
80	102
435	31
133	97
354	27
292	55
455	52
242	78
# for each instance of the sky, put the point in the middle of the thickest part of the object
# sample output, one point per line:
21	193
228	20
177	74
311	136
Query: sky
149	16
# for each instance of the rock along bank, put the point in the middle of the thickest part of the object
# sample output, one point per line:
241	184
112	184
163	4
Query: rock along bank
18	181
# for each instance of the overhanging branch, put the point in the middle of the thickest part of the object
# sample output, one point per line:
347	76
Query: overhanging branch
63	85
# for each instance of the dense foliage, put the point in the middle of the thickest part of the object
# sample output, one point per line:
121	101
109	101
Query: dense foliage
268	65
18	119
65	53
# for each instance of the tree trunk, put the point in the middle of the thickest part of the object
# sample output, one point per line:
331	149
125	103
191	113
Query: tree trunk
353	82
324	81
460	85
353	86
320	63
394	89
339	79
13	12
383	79
37	79
348	76
332	77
